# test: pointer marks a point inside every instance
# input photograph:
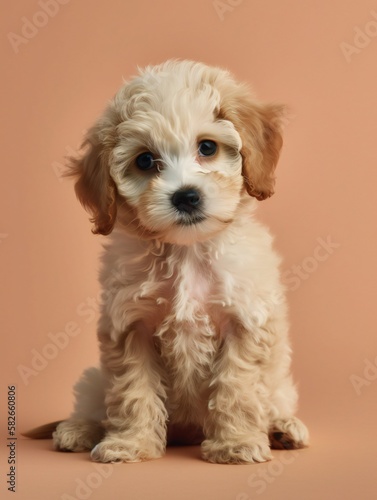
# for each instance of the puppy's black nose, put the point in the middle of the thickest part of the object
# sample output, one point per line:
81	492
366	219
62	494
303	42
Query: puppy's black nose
186	200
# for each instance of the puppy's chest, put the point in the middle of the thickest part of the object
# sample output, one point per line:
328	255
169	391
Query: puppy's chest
189	330
176	293
185	292
190	292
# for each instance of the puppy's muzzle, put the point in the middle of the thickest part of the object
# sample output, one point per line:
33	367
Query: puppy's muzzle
188	202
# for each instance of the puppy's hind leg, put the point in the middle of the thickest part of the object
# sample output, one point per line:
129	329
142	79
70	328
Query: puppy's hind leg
286	431
83	430
288	434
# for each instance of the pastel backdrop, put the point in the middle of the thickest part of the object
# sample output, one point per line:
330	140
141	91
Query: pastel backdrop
62	61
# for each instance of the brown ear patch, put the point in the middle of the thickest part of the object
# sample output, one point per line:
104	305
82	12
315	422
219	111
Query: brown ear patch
262	144
94	187
260	129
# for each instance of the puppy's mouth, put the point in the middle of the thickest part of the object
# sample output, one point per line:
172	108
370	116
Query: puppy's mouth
190	219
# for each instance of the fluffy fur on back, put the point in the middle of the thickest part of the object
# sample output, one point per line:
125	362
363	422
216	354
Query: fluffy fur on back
193	331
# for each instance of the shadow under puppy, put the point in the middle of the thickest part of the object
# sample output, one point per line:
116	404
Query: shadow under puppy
193	328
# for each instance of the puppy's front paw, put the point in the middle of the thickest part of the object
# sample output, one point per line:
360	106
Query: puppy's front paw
251	451
118	449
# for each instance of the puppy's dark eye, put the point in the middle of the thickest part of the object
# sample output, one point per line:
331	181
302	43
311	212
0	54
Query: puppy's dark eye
145	161
207	148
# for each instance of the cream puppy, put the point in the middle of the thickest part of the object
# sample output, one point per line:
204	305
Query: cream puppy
193	327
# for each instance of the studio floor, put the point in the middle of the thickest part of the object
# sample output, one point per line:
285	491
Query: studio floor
339	464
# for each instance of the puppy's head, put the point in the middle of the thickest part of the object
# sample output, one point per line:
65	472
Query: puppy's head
176	150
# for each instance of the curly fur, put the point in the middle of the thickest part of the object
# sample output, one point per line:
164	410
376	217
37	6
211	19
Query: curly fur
193	331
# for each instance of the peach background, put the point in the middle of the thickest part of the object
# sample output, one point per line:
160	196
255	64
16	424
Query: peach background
57	84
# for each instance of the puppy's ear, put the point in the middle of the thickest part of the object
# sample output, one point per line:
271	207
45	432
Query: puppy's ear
260	129
94	187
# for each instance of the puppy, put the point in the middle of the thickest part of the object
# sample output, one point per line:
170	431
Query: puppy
193	326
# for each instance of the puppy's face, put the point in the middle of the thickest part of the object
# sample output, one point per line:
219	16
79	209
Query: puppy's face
176	163
175	152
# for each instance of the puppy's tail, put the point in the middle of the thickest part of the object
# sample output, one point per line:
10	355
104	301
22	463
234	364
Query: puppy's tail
43	431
